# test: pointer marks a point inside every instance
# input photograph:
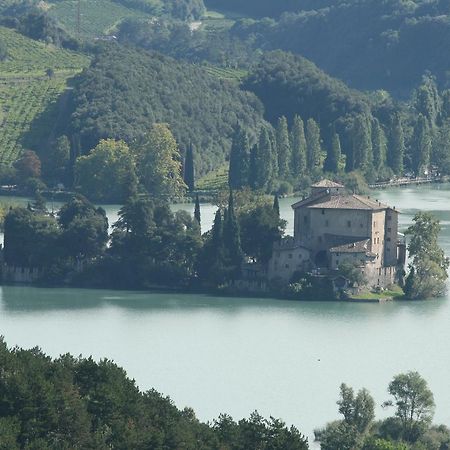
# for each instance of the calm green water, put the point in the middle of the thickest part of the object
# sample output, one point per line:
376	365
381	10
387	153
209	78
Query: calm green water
285	359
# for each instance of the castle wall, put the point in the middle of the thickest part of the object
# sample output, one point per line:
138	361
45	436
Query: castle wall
286	261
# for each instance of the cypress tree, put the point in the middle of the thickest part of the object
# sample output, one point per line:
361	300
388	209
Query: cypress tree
313	144
298	147
362	144
262	162
422	146
274	153
427	100
379	146
217	231
189	168
397	146
276	205
333	155
283	147
239	160
197	214
232	239
252	171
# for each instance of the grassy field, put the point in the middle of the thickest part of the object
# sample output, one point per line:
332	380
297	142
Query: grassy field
97	17
26	92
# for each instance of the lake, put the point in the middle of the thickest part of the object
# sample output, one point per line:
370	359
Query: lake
285	359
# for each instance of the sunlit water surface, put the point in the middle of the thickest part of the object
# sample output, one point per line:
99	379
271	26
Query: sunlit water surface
285	359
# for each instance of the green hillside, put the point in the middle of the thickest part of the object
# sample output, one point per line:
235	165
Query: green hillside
97	17
27	92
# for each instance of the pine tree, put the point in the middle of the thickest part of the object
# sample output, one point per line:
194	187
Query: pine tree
298	145
333	155
362	144
397	146
379	146
197	215
276	205
422	146
189	169
313	144
283	148
239	160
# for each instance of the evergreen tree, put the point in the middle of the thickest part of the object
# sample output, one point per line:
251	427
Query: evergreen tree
379	146
427	100
313	144
276	205
422	146
283	148
274	155
189	169
239	160
232	239
397	146
362	144
298	147
217	231
252	171
333	155
262	161
197	214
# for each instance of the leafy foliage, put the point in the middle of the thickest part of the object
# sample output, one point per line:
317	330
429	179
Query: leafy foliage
125	91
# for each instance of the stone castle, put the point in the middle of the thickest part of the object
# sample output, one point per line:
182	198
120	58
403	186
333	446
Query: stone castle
331	227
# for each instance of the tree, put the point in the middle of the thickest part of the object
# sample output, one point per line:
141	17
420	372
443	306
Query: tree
379	146
57	161
429	265
283	148
397	146
414	404
299	148
427	101
421	146
107	173
276	205
28	166
238	175
333	155
232	239
197	214
262	172
159	165
313	144
189	168
362	144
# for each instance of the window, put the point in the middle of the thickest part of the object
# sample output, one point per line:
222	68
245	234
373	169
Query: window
389	217
287	266
378	240
361	225
389	230
374	240
388	239
337	262
349	223
290	256
300	256
374	224
323	211
327	223
305	219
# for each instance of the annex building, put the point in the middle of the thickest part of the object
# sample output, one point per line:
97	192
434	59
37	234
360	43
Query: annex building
333	226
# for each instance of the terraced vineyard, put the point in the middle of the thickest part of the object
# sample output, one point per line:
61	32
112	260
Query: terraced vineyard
25	89
226	74
97	17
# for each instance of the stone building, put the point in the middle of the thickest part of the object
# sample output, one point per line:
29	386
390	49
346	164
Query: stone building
333	226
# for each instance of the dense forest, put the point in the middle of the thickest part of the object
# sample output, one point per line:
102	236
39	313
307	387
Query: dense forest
125	90
78	403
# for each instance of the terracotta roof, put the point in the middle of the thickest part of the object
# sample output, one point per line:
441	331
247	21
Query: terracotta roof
349	202
327	184
353	247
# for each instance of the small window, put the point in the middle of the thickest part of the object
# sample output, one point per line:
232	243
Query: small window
389	217
300	256
337	262
374	224
290	256
287	266
305	219
323	211
374	240
389	230
378	240
327	224
349	223
388	249
361	225
388	239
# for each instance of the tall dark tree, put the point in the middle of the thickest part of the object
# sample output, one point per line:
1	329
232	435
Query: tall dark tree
189	168
313	144
197	214
421	146
362	144
283	148
379	146
299	148
276	205
262	162
232	239
397	146
427	100
239	159
333	155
